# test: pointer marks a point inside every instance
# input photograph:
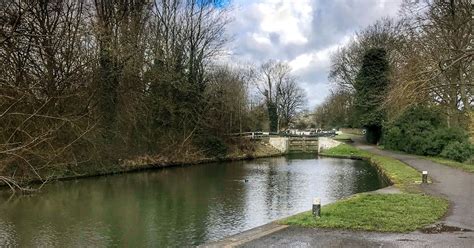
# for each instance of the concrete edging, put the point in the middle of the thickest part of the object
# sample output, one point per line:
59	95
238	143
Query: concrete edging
246	236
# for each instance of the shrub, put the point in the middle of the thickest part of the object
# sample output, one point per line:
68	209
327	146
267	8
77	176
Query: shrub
416	145
393	138
458	151
420	130
212	145
441	137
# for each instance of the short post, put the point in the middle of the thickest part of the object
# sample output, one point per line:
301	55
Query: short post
424	177
317	207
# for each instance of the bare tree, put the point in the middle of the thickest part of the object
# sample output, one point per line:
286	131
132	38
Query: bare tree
337	110
227	100
347	60
292	99
437	64
269	80
185	37
430	56
87	83
43	95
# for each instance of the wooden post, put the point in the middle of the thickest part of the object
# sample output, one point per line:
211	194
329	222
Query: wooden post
424	177
317	207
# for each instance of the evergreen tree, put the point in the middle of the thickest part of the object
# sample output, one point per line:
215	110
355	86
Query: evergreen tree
370	85
273	116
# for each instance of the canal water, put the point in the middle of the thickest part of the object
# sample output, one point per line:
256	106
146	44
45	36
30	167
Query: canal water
180	206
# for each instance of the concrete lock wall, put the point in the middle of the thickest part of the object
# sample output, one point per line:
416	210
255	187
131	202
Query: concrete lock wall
326	143
283	143
303	144
280	143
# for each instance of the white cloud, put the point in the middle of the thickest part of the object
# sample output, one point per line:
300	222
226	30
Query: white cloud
302	32
261	38
286	19
316	58
302	61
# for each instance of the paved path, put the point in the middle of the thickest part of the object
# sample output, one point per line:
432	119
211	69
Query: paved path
455	185
308	237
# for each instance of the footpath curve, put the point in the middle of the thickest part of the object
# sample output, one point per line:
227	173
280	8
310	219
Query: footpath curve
455	185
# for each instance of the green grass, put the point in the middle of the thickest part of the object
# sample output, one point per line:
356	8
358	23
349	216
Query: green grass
376	212
468	167
344	137
401	175
345	150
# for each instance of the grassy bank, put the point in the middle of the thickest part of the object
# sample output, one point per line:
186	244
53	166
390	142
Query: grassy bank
402	212
468	167
377	212
401	175
345	137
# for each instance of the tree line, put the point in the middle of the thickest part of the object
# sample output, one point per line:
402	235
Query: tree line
429	52
86	83
394	71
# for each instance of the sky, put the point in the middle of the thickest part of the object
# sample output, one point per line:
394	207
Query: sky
303	33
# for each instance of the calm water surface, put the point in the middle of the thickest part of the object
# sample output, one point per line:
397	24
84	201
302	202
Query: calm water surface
182	206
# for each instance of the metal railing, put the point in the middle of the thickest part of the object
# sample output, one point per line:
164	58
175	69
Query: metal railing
258	134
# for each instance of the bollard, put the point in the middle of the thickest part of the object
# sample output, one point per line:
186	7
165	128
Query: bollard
424	177
317	207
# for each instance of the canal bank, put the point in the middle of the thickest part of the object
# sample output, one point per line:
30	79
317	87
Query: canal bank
252	149
259	150
440	235
245	150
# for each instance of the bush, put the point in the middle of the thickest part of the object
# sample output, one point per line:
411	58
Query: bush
212	145
441	137
416	145
458	151
393	138
420	130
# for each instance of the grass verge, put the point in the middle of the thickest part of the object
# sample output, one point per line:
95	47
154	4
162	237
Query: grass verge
401	175
402	212
468	167
344	137
376	212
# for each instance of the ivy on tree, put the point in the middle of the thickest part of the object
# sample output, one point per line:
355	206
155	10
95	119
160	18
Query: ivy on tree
370	85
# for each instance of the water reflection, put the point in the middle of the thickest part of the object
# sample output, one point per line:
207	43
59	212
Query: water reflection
182	206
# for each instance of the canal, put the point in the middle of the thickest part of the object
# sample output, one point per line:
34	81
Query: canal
180	206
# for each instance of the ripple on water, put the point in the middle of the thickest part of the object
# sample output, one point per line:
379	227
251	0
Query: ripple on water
7	234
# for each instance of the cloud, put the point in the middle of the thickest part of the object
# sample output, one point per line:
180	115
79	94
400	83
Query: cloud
302	32
286	20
